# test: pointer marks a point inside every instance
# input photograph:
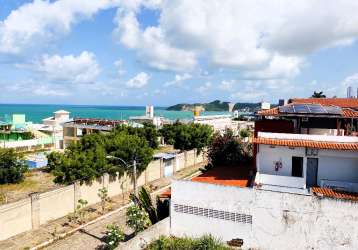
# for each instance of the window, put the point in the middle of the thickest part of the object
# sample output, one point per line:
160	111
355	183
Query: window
297	166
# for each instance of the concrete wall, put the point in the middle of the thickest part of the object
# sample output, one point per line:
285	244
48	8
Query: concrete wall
15	218
39	209
278	220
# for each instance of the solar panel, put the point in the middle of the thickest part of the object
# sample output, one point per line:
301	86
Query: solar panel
316	108
333	110
301	108
286	109
310	109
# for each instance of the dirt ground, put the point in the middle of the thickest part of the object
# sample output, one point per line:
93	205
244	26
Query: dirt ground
35	181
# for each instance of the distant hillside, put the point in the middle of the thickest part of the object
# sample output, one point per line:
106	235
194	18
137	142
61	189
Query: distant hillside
216	105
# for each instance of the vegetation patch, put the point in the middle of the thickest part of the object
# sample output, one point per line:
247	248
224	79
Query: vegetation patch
206	242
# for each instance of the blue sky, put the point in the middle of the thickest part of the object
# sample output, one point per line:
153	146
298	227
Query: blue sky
137	52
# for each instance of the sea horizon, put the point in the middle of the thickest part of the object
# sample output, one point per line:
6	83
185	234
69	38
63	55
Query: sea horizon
37	112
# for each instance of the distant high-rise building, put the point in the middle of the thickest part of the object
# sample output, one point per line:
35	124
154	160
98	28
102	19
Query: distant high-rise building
231	106
349	92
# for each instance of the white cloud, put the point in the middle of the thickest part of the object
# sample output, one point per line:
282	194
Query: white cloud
46	90
178	80
151	45
204	88
79	69
119	66
139	81
264	39
226	85
38	23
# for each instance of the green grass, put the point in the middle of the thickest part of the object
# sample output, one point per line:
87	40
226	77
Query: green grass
206	242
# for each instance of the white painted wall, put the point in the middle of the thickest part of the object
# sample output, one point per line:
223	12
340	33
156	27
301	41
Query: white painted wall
279	220
267	156
336	165
338	169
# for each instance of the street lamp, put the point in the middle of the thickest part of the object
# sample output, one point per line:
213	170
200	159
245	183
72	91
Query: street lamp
134	165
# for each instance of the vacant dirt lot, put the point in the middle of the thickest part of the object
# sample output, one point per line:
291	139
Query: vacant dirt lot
35	181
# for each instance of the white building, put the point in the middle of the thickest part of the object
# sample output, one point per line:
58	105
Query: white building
297	162
53	126
218	122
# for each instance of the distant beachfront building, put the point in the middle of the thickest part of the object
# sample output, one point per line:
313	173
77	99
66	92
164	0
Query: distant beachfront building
149	117
75	129
218	122
21	135
52	126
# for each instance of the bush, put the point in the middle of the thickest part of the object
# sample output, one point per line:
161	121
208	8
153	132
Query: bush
227	149
137	219
114	235
12	167
206	242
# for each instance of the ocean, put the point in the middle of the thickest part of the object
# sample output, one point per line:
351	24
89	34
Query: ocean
36	112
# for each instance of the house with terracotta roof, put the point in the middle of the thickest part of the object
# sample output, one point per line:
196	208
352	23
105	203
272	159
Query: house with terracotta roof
308	143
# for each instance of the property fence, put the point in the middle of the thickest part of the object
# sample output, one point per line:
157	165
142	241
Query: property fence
41	208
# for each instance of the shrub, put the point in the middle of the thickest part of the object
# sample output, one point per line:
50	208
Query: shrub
137	219
206	242
114	235
103	195
227	149
12	167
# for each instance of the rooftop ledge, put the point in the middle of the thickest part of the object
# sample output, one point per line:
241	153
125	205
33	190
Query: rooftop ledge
305	137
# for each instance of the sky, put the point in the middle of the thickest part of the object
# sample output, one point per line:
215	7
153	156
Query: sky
163	52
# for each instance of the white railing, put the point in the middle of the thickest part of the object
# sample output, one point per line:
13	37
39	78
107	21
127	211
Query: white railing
326	138
280	180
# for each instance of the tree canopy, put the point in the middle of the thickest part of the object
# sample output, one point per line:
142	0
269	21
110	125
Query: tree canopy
98	153
12	166
226	149
318	94
187	136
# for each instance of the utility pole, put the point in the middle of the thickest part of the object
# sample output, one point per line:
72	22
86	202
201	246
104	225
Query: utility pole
135	177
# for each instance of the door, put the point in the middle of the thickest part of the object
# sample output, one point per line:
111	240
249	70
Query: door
312	169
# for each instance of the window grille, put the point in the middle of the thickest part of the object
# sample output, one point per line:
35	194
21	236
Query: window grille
212	213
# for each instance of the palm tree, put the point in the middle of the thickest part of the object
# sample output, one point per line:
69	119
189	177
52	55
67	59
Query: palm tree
318	94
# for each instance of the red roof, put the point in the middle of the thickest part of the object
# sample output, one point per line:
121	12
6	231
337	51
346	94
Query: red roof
228	176
328	192
307	143
340	102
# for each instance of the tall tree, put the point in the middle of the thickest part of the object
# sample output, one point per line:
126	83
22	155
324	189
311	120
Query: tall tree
318	94
12	166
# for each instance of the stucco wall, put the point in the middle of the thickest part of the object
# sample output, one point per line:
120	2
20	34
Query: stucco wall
62	199
15	218
268	155
31	212
279	220
332	164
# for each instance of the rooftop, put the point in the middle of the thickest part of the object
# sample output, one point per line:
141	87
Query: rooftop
353	146
227	176
328	192
279	111
339	102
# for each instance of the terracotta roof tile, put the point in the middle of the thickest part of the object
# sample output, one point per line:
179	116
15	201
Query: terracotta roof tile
226	175
350	113
268	112
340	102
307	143
328	192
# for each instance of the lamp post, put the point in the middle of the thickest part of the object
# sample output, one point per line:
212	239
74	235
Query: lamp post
134	165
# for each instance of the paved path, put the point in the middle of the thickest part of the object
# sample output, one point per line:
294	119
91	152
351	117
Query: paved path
91	236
